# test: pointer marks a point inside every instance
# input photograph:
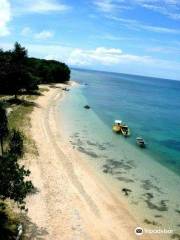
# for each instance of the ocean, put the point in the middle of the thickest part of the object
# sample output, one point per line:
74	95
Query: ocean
151	108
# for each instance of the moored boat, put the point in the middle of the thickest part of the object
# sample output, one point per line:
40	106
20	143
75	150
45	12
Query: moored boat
140	142
125	130
117	126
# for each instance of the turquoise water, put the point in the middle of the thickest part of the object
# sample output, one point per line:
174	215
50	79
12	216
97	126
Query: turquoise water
150	107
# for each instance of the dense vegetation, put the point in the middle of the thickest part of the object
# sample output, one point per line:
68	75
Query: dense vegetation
12	175
19	77
20	73
49	71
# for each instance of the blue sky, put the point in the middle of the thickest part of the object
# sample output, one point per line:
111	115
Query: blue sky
128	36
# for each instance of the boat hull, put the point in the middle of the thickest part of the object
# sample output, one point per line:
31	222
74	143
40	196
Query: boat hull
116	129
140	142
141	145
125	134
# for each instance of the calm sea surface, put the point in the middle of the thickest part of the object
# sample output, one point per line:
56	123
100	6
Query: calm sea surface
151	108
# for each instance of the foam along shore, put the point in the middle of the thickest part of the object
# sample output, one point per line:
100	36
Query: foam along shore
71	201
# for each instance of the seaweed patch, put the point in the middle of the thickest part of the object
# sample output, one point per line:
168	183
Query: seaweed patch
158	216
90	153
162	206
149	195
150	222
119	164
124	179
175	236
79	141
91	143
108	144
101	147
75	135
96	144
118	168
177	210
148	185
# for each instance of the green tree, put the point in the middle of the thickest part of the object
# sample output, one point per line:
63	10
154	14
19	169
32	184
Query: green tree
18	76
5	66
49	71
16	143
3	126
13	183
18	72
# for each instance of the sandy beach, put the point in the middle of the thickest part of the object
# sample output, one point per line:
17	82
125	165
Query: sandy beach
71	201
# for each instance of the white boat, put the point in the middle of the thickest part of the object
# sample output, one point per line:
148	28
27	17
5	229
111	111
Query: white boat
140	142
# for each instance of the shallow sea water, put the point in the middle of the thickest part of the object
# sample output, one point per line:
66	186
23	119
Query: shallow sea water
153	188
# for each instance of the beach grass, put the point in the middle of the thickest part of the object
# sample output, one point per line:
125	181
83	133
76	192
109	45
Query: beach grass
19	118
9	220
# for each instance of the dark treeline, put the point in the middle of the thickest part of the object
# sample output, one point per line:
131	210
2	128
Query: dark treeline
13	182
49	71
18	72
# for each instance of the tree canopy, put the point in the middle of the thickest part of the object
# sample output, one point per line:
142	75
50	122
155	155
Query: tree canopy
49	71
13	182
18	72
3	126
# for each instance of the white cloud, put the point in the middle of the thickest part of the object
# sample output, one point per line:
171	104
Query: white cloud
5	17
51	57
160	29
44	35
112	37
26	31
110	5
136	25
105	5
49	51
116	60
46	6
102	56
164	50
169	8
105	59
39	6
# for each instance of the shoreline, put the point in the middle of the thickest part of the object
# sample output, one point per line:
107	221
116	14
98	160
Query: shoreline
71	201
151	201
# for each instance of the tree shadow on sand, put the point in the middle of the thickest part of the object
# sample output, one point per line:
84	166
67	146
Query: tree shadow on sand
31	230
22	102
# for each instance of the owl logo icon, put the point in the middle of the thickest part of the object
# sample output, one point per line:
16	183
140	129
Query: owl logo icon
138	231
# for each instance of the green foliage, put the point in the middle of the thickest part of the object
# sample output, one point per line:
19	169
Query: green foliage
3	126
13	183
19	54
14	74
8	223
49	71
12	179
19	73
16	143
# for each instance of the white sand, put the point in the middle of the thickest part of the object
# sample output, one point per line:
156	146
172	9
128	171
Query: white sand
71	203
